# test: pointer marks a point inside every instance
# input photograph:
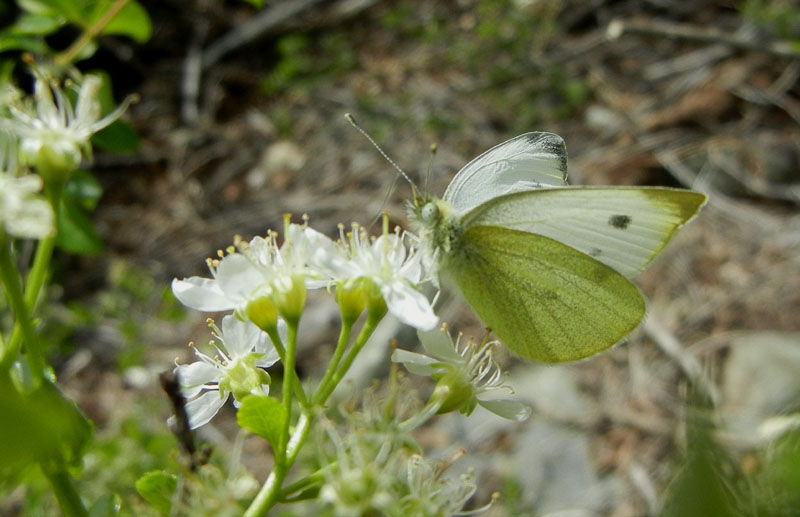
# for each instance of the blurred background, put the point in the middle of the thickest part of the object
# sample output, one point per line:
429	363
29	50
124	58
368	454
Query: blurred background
241	120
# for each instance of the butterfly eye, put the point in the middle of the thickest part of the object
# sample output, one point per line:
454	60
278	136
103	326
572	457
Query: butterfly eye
429	212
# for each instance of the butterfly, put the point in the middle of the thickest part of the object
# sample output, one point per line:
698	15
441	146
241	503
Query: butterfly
545	265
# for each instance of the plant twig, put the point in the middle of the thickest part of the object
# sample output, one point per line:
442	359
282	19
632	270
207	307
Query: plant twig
90	33
687	32
254	28
687	362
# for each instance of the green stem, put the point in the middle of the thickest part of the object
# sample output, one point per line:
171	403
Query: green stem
288	382
64	488
37	275
373	318
312	479
344	337
419	418
298	387
271	490
90	33
9	277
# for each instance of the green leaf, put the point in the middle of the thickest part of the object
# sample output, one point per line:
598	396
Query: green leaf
76	233
705	485
157	488
67	8
40	425
132	21
106	506
119	137
34	45
85	189
39	24
263	416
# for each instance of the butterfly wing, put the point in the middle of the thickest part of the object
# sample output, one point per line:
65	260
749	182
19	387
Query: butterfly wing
526	162
622	227
546	301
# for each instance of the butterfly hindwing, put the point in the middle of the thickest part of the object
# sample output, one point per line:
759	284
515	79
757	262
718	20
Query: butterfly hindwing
544	300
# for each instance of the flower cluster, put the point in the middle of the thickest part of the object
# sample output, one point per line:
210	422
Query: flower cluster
264	283
49	134
375	467
262	280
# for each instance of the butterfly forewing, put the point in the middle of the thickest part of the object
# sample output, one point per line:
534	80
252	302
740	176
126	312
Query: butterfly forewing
544	300
526	162
622	227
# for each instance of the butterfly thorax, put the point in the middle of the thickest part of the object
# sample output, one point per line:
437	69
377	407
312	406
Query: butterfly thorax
437	228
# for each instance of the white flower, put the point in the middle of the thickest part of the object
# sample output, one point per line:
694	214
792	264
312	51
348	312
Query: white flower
260	270
236	280
52	132
432	494
243	351
23	213
465	373
388	264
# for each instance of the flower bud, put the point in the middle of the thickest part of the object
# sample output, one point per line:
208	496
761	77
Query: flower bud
352	301
290	298
376	304
263	313
454	392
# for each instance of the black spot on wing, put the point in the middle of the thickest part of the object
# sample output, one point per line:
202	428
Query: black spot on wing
619	222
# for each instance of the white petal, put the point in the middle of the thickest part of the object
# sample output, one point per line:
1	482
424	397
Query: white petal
509	409
409	306
202	409
34	219
439	344
202	294
412	269
193	377
239	278
240	337
417	364
331	263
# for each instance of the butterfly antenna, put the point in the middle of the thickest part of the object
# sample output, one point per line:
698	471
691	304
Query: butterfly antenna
434	148
352	121
385	202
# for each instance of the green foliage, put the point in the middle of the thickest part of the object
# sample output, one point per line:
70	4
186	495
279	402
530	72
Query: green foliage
305	60
158	489
501	47
47	427
41	18
76	233
258	4
778	478
106	506
119	137
705	485
780	17
263	416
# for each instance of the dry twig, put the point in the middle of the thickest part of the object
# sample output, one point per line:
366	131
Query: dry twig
617	28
